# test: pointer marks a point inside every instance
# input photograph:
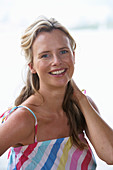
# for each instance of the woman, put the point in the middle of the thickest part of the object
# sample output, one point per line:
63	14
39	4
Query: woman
45	129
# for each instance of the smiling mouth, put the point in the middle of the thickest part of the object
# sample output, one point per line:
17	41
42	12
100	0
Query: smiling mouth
58	72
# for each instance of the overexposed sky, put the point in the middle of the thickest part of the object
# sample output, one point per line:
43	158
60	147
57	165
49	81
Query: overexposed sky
18	13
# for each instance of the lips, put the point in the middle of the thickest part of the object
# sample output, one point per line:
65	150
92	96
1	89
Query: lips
58	72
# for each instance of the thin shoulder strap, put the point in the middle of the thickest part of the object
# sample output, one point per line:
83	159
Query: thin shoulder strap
29	110
15	107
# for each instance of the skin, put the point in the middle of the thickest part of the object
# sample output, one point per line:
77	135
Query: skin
50	56
52	52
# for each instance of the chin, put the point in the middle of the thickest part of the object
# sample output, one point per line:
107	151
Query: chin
61	84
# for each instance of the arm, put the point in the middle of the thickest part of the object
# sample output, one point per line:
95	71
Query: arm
17	129
98	131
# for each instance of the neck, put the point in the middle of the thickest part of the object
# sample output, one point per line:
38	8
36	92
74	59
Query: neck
53	98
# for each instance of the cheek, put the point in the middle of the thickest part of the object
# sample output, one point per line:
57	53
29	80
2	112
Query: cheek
41	67
71	60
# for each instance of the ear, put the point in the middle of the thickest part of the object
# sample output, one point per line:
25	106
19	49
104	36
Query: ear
33	71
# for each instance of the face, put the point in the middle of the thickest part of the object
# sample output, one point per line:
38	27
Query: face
53	59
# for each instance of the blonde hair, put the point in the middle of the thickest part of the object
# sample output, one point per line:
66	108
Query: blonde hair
75	117
40	25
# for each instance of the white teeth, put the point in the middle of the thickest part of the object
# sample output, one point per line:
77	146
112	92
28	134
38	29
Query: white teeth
58	72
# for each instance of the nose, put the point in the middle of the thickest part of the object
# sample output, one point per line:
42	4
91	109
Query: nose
56	60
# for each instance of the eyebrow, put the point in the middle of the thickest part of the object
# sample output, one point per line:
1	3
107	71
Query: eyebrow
43	52
63	48
49	51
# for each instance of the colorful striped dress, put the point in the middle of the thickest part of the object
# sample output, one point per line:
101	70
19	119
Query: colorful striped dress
56	154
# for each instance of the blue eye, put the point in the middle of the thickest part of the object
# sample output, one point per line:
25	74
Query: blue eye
63	51
44	56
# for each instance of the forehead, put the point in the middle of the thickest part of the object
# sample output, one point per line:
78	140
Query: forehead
55	38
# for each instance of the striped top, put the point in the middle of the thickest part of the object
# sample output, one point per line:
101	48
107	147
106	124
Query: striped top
56	154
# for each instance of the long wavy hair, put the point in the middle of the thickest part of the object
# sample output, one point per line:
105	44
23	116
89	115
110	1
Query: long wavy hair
75	117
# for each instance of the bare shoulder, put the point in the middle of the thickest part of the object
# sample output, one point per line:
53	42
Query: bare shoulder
22	115
92	103
19	124
17	128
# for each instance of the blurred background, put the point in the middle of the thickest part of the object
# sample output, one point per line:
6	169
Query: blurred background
91	24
